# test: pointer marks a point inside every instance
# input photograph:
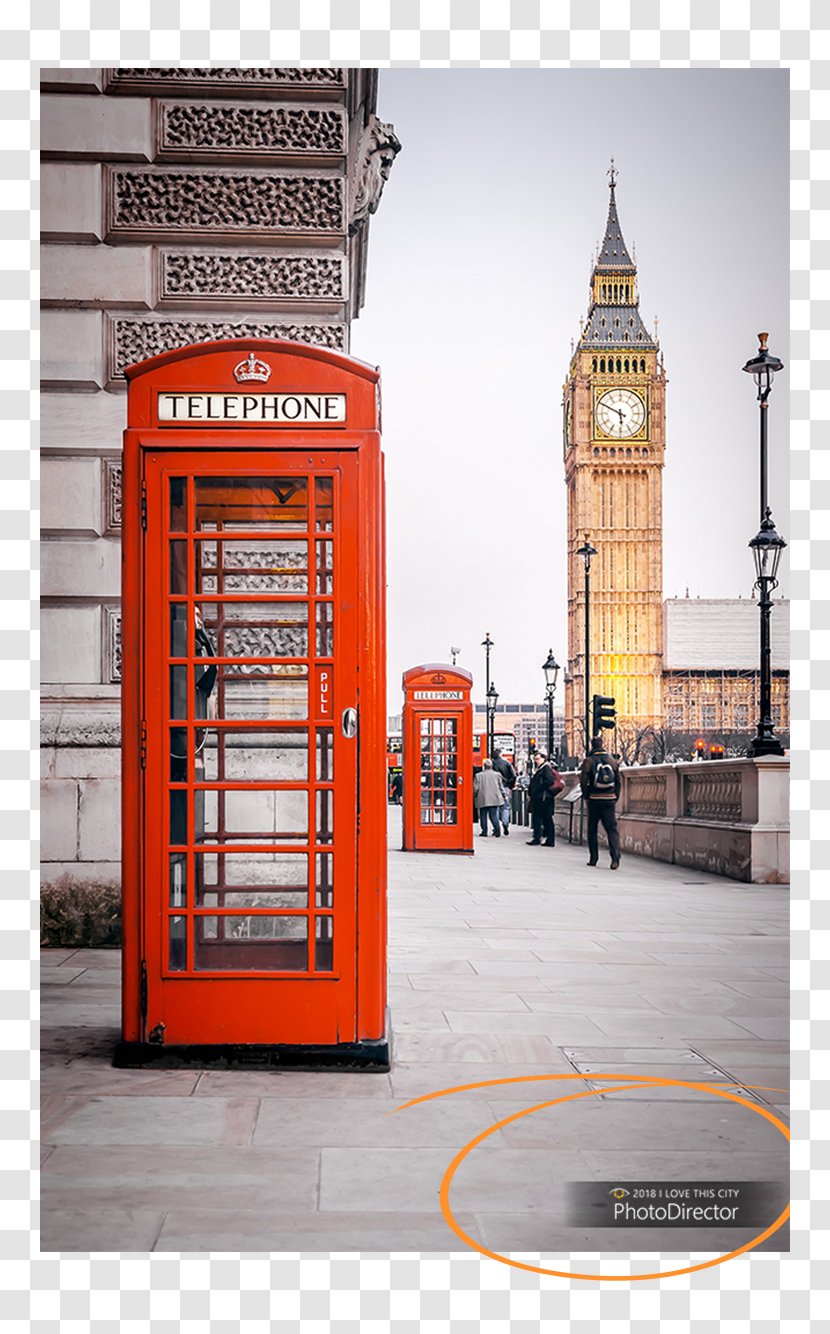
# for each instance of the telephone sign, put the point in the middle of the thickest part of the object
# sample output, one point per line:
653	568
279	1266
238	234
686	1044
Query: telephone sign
253	710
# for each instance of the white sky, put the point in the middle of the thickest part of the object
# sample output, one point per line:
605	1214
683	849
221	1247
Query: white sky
479	263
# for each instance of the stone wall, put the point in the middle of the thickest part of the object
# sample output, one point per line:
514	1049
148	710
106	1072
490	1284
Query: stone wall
728	817
178	206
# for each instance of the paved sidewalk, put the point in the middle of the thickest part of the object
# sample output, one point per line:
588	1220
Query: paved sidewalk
516	962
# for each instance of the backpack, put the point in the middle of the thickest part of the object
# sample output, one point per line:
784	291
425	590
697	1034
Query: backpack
604	779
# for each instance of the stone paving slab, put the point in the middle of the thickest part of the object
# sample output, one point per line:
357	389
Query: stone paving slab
367	1123
504	965
246	1230
417	1078
168	1120
98	1178
68	1227
292	1084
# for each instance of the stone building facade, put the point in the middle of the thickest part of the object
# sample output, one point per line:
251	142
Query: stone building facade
178	206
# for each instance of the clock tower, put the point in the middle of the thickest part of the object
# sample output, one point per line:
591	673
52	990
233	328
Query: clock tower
614	444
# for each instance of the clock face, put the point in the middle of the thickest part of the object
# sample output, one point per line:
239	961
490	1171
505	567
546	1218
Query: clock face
620	413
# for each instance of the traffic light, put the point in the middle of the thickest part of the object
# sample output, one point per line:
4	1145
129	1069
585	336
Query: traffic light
716	752
604	714
699	749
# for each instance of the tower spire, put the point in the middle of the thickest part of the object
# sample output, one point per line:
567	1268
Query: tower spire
614	285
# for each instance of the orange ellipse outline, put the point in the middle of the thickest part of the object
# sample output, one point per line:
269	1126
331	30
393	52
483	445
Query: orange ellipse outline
639	1081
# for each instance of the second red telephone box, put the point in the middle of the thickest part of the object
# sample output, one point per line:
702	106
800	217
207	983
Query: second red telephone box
437	759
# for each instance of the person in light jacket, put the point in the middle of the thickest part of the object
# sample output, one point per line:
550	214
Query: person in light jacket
489	796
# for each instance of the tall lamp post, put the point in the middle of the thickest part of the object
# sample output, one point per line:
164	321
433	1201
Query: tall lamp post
766	547
551	669
587	552
492	701
487	644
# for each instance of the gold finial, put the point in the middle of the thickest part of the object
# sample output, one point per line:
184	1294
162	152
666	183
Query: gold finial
762	341
612	174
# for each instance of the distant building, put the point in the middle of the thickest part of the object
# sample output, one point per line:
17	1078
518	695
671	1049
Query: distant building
710	673
526	722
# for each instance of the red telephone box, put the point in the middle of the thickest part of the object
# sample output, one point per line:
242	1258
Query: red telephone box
437	759
254	720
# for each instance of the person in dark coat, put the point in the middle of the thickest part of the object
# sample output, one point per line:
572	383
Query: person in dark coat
600	782
508	777
544	784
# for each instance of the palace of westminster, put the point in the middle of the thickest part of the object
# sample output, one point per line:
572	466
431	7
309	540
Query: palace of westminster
679	668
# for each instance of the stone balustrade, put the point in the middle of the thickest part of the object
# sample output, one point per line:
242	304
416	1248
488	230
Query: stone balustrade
729	817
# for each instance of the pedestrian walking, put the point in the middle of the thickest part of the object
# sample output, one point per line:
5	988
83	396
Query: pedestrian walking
488	793
545	782
508	777
600	782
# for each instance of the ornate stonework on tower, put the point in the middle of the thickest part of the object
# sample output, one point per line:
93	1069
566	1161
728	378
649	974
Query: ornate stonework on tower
614	444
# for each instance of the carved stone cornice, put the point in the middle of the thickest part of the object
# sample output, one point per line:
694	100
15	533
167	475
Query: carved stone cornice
193	203
219	131
309	82
264	278
133	339
377	150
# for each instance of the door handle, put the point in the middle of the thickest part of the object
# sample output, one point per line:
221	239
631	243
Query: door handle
349	722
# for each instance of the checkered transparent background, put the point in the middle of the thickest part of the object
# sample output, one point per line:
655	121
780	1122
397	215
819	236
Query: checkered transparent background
456	1291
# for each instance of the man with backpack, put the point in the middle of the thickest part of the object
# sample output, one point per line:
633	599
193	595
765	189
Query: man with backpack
600	783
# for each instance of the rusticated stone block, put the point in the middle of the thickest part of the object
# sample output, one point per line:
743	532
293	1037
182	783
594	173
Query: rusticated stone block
99	820
70	201
307	81
71	349
189	131
91	425
144	203
133	340
97	128
71	496
59	820
96	276
71	80
81	569
261	277
70	644
88	762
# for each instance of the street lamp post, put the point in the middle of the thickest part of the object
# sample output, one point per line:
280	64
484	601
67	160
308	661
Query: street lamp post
551	669
492	701
487	644
766	547
587	552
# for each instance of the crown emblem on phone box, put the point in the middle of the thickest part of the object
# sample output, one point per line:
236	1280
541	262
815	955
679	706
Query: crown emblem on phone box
252	369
